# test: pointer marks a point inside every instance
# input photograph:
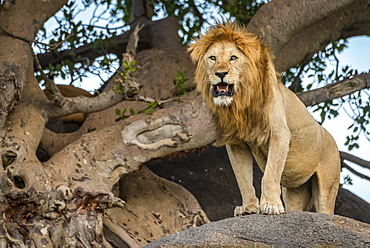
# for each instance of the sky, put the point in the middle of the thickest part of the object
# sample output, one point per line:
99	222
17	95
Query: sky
357	57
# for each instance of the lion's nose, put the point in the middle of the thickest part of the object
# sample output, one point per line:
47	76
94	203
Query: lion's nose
221	74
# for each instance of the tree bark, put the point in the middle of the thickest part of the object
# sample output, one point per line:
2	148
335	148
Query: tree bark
15	40
335	90
278	21
340	25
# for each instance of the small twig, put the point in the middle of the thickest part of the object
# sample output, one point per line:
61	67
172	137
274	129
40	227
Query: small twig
132	44
197	12
15	36
129	56
102	101
53	46
49	84
149	100
146	99
56	45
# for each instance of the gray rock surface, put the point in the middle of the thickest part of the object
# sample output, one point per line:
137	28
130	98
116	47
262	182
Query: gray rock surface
294	229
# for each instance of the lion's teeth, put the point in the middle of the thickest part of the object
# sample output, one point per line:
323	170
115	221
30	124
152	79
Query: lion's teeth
223	88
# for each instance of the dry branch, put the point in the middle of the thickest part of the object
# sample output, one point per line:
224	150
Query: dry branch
335	90
361	162
63	106
345	165
356	160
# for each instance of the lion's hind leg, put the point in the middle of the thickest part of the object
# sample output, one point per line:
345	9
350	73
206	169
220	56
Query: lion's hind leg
297	199
324	191
325	182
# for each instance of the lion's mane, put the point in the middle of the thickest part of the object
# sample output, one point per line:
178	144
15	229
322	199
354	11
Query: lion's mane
247	117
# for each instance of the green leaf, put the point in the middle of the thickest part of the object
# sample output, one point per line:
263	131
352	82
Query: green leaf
132	111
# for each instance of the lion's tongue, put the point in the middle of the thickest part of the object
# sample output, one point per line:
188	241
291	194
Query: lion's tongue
222	87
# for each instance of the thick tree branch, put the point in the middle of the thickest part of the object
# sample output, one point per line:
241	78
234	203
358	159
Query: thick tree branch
15	54
342	24
133	142
72	105
335	90
271	22
138	10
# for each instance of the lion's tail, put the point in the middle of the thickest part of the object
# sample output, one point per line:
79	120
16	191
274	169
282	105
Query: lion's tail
310	206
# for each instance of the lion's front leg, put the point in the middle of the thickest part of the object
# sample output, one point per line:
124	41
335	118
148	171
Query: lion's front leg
241	160
270	186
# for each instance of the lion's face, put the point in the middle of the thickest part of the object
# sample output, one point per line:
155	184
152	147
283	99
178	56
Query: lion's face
223	63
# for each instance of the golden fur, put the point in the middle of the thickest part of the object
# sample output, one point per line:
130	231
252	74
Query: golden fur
252	97
256	116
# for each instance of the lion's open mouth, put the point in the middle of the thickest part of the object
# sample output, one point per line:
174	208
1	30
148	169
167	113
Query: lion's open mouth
223	89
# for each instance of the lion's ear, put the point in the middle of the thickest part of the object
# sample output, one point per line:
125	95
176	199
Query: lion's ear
250	45
194	50
199	48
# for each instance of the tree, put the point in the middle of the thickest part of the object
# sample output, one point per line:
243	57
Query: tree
59	190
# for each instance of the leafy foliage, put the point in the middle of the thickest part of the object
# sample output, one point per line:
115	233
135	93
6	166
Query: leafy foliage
82	22
325	68
97	22
151	108
195	15
122	114
347	180
127	67
179	82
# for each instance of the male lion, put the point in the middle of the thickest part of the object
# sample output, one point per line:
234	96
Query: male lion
258	116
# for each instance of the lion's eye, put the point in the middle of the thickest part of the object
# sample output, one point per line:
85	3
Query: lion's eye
212	57
233	58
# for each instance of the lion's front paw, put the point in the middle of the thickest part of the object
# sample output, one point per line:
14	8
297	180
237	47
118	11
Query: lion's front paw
268	207
246	209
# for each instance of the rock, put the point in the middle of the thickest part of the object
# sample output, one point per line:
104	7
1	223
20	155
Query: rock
294	229
352	206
